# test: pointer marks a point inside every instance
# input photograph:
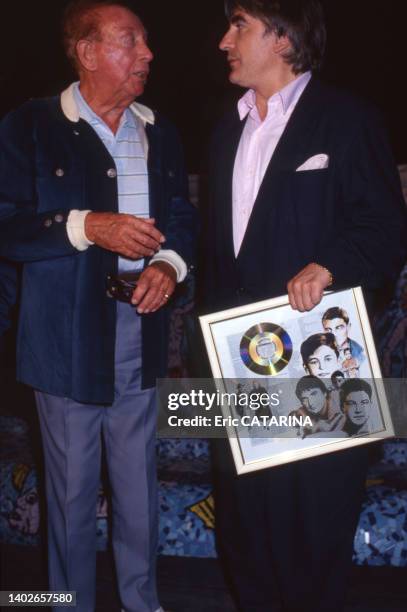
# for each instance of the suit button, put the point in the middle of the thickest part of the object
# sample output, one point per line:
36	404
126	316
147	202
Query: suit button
59	218
111	173
59	172
48	222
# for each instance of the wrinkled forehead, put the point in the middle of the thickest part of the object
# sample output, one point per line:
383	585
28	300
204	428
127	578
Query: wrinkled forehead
115	19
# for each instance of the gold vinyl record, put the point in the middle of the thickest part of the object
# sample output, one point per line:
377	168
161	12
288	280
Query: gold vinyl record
266	349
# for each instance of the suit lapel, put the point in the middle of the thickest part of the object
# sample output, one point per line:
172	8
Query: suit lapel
294	140
289	153
226	161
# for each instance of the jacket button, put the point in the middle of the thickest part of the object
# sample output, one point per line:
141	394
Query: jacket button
48	222
111	173
171	174
59	172
59	218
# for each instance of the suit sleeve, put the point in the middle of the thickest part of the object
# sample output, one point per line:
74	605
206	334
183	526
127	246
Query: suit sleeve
26	234
370	246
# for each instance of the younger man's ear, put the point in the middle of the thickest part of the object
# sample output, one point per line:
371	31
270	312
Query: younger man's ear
282	45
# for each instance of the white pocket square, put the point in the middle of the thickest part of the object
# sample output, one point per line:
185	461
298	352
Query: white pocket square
317	162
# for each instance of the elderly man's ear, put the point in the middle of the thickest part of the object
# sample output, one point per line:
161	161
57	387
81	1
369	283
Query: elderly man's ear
85	53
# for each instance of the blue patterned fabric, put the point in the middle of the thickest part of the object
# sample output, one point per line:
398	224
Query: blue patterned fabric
186	505
182	532
391	331
381	537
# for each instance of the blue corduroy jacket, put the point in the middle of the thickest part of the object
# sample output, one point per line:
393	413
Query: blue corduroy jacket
50	163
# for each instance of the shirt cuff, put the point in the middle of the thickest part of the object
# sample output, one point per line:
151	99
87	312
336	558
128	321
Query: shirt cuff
75	227
174	260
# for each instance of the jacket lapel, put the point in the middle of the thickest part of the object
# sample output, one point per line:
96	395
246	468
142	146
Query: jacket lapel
289	153
230	139
294	140
154	166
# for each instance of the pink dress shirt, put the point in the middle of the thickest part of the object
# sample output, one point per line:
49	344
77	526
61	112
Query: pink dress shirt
257	145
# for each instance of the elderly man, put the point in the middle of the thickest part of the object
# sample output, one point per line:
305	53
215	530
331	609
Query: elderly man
304	195
93	187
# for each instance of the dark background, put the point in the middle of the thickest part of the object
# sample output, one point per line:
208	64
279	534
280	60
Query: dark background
367	53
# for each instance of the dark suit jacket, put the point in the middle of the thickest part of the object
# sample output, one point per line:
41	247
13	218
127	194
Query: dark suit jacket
8	296
349	217
66	332
8	293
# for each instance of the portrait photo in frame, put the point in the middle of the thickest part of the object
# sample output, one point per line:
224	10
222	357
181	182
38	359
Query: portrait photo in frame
319	369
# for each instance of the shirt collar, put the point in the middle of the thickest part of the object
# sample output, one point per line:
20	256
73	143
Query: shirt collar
69	105
143	112
287	97
88	114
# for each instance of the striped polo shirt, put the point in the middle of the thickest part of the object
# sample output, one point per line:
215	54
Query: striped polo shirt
126	149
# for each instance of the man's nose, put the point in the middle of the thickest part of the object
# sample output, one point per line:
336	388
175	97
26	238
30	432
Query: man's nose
226	43
146	53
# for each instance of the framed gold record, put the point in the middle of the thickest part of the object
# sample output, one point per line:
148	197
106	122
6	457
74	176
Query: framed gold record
266	349
298	359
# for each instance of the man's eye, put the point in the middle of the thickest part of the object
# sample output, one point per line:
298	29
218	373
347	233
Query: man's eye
128	40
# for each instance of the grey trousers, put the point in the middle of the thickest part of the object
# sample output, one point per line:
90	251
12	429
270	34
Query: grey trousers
72	440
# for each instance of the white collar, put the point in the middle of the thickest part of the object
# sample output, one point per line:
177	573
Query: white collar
71	111
288	96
